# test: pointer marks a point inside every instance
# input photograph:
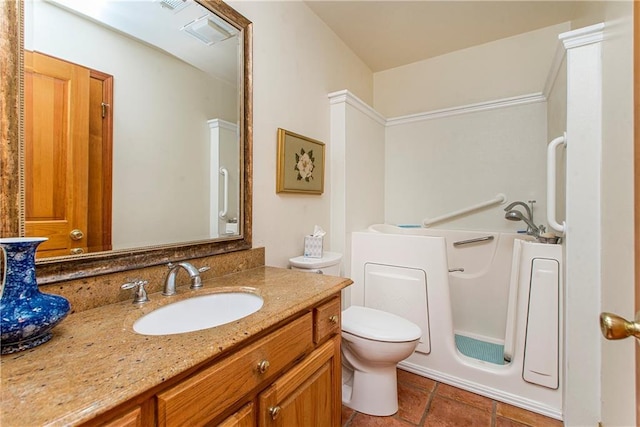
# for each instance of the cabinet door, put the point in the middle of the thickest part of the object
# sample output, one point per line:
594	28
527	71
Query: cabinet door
133	418
245	417
308	395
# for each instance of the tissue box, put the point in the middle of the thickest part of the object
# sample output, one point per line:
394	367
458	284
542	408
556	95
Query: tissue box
313	247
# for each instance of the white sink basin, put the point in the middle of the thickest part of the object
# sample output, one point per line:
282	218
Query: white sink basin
197	313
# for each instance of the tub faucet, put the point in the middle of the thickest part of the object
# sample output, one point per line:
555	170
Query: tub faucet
170	279
525	206
515	215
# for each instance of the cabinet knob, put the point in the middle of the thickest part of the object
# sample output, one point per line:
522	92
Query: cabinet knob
76	251
274	411
263	366
76	234
333	319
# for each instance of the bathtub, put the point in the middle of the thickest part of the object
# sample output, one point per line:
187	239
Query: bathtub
488	303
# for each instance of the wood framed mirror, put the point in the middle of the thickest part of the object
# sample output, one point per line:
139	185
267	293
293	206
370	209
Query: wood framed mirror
14	153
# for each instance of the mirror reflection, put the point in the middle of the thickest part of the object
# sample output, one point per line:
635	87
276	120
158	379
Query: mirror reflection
132	124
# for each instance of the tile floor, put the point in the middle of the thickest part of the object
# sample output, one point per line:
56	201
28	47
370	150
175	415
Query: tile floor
424	402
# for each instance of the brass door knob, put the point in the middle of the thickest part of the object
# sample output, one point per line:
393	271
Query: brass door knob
76	251
615	327
263	366
76	234
333	319
274	411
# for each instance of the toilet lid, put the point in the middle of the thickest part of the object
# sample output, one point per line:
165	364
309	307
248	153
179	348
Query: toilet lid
378	325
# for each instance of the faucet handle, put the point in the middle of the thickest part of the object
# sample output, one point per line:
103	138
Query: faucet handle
140	294
196	281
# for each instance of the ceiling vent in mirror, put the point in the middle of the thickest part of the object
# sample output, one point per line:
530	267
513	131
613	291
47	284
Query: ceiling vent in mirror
209	29
173	5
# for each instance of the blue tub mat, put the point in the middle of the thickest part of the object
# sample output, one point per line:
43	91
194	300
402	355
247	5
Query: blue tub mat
492	353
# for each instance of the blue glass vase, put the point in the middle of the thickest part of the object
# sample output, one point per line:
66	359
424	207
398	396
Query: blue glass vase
26	315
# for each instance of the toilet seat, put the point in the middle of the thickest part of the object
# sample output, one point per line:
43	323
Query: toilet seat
377	325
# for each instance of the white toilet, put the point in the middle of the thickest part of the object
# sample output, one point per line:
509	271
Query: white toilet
328	264
373	343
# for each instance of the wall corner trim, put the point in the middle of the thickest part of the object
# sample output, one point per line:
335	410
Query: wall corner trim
344	96
583	36
559	56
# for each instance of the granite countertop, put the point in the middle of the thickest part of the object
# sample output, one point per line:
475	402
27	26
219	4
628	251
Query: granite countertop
95	361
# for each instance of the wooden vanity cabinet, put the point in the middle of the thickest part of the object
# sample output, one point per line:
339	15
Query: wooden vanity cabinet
205	395
289	377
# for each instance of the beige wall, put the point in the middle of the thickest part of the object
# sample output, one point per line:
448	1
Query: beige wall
298	61
505	68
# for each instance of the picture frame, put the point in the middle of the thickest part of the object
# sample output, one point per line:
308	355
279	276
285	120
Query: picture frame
300	164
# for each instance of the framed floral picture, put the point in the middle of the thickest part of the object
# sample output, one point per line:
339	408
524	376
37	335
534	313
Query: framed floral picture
300	167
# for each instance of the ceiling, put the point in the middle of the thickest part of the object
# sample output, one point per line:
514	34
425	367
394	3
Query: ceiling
152	24
391	33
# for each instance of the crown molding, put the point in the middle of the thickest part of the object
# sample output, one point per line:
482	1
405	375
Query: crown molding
583	36
470	108
344	96
223	124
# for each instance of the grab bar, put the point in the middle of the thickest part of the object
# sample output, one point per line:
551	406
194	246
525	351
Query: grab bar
476	240
499	199
551	183
225	194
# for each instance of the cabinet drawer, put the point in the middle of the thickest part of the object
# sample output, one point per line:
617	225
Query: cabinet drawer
326	320
200	398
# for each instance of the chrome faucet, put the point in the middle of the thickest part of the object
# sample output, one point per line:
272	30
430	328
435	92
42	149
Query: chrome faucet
170	280
515	215
140	293
524	205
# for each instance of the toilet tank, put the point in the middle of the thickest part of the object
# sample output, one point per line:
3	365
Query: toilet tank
328	264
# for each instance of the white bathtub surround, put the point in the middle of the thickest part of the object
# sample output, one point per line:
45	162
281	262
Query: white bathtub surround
584	243
465	155
449	153
357	177
506	296
498	200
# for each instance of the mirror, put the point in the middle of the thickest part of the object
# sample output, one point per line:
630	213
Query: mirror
169	162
